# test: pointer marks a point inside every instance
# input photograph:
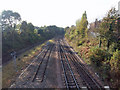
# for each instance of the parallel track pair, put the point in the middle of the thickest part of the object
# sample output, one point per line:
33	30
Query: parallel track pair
88	80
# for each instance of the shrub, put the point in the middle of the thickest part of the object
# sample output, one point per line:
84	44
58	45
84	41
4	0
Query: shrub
79	43
71	37
113	48
115	68
67	36
115	61
98	56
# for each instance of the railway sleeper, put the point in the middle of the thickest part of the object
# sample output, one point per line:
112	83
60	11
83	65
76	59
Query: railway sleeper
72	86
71	83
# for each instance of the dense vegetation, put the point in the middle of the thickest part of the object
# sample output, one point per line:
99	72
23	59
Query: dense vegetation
18	34
100	46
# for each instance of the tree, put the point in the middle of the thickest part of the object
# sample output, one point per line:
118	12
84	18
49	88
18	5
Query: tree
30	27
10	18
115	68
17	36
23	26
81	25
9	21
108	27
115	61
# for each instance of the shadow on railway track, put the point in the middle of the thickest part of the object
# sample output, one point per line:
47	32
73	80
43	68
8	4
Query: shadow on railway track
68	51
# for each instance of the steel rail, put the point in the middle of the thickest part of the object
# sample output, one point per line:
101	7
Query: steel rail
63	69
34	76
88	75
77	86
47	63
83	68
82	74
31	63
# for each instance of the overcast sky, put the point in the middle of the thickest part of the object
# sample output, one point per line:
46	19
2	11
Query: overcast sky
58	12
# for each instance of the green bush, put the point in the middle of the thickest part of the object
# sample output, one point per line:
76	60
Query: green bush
71	37
98	56
115	61
79	43
67	35
113	48
115	68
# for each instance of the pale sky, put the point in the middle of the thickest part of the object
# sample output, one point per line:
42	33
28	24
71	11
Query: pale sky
58	12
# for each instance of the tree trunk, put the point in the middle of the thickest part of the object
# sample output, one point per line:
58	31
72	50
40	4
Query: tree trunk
100	42
108	44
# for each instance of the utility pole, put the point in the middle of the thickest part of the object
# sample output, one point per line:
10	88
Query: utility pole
13	53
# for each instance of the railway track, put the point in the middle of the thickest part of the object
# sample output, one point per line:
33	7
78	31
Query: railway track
72	69
26	77
33	62
89	81
70	80
36	70
41	69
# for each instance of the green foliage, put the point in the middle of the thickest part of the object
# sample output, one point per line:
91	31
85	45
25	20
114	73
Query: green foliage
115	61
115	68
23	26
79	31
81	25
30	27
9	18
108	28
106	57
113	48
67	35
28	35
71	37
79	43
70	33
98	56
23	35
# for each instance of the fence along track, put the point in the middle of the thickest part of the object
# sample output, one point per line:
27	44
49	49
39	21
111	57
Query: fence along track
87	78
70	80
35	75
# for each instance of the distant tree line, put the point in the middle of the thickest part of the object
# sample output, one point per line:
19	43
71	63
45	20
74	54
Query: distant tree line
18	34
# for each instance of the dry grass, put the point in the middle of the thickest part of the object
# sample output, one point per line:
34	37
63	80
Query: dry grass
9	73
